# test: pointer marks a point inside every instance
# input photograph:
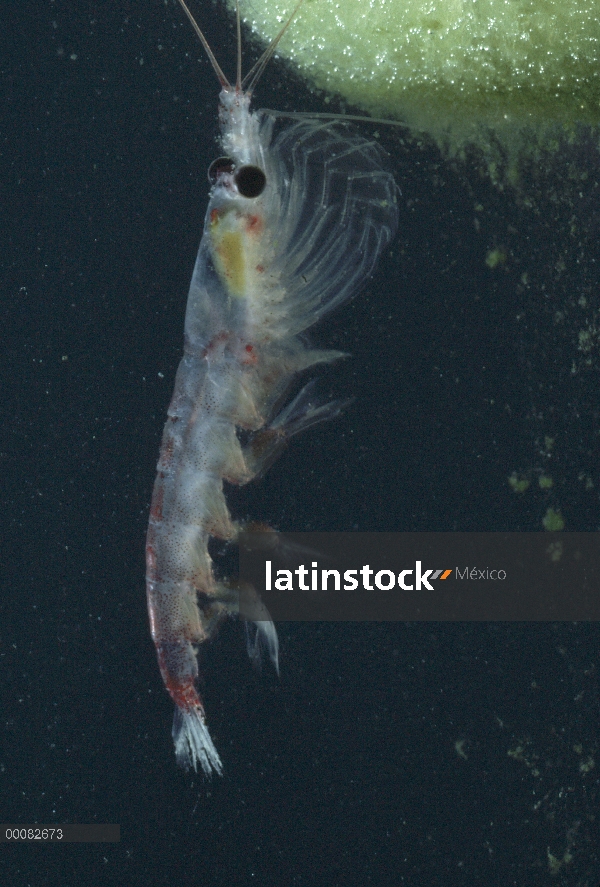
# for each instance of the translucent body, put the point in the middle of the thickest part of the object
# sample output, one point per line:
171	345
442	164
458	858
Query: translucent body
268	268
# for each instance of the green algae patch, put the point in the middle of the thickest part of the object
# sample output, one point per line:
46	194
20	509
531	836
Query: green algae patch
553	521
463	71
518	484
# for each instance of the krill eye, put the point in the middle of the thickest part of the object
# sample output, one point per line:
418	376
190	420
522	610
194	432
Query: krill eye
219	167
250	181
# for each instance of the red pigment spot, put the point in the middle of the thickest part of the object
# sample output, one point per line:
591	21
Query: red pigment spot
214	216
250	358
157	504
254	224
184	696
260	269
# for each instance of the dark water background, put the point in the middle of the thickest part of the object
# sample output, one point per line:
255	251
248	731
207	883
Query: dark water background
346	771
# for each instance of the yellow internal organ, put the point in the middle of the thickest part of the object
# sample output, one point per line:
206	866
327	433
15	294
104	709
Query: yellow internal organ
233	242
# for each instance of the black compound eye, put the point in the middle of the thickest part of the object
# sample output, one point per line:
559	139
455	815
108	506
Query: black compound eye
219	167
250	181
